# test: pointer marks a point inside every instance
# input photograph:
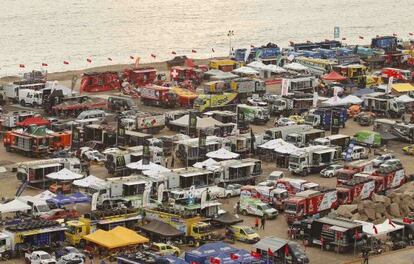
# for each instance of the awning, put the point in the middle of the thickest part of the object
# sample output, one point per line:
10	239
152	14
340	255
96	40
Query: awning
380	229
116	238
272	243
333	76
160	228
14	206
222	154
64	175
403	87
241	165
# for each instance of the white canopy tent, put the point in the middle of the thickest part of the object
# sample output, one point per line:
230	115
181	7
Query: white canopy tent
334	101
405	98
246	70
222	154
202	123
352	99
14	206
147	167
274	68
87	181
64	175
206	163
280	146
380	229
294	66
258	65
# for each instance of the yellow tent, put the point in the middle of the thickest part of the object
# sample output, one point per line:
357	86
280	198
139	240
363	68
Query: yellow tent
402	87
116	238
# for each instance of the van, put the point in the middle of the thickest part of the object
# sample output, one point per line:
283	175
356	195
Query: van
358	152
275	175
243	233
92	114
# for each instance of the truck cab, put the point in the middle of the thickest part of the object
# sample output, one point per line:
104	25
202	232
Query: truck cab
76	231
252	206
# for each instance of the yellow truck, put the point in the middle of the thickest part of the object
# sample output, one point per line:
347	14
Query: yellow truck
87	224
194	228
209	102
223	65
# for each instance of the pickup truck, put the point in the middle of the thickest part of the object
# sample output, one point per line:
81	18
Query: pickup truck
39	257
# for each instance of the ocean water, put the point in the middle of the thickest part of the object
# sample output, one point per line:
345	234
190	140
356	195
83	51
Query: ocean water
53	31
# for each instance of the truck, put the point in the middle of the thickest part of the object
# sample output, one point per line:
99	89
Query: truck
355	189
100	82
270	195
300	84
312	159
334	140
383	104
368	138
209	102
243	171
11	91
398	75
11	119
192	226
34	172
254	114
304	138
296	102
351	168
294	186
387	43
310	203
29	97
39	257
254	206
35	234
140	76
248	86
323	118
333	233
186	73
178	194
282	132
151	123
392	129
103	220
158	96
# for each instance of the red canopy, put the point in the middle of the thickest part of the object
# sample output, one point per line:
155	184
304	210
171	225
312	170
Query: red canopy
333	76
38	121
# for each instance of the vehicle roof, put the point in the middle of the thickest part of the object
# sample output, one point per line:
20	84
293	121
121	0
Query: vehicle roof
340	222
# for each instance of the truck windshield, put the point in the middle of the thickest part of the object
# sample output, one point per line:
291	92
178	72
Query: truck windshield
343	176
296	159
290	207
264	207
309	119
249	231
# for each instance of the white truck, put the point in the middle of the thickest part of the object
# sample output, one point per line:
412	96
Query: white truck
312	159
28	97
333	140
383	104
215	192
304	138
39	257
282	132
254	206
254	114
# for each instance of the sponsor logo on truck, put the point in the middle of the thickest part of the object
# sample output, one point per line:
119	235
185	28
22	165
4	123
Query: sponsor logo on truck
151	121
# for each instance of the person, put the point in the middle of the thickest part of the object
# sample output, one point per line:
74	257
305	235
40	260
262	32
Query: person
365	255
238	207
256	223
263	222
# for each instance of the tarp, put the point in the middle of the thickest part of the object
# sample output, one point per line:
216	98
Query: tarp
334	102
64	175
227	219
203	253
380	229
116	238
405	98
87	181
162	229
45	195
402	87
246	70
241	256
60	200
352	99
206	163
202	123
295	67
14	206
333	76
79	197
222	154
258	65
147	167
38	121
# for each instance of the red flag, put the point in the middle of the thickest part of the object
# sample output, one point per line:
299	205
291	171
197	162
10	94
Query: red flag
255	254
410	33
214	260
213	50
131	57
193	51
66	62
110	59
234	256
361	37
375	229
270	252
174	53
286	250
153	55
89	60
22	66
44	64
343	38
391	223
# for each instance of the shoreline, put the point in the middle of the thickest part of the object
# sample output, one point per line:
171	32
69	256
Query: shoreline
67	75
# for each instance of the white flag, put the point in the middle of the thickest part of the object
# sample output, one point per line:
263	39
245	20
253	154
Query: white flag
285	87
315	99
390	82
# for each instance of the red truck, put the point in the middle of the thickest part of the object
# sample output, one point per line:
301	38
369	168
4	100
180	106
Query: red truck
100	82
309	203
273	196
384	181
350	169
158	96
185	73
398	75
140	76
295	185
357	188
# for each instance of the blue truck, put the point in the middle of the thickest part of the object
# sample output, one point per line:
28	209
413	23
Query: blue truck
263	52
322	118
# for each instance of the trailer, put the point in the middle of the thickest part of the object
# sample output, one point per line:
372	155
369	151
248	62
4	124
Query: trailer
324	118
304	138
254	114
391	129
296	102
310	203
150	123
100	82
352	190
282	132
383	104
270	195
312	159
334	140
140	76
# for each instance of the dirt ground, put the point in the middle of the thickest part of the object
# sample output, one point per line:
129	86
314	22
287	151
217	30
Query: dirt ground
278	227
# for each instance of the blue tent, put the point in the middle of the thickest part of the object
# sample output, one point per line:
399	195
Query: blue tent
244	257
79	197
174	260
60	200
202	254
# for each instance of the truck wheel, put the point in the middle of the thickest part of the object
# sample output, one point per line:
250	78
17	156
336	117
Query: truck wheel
22	103
191	242
6	255
244	212
228	195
